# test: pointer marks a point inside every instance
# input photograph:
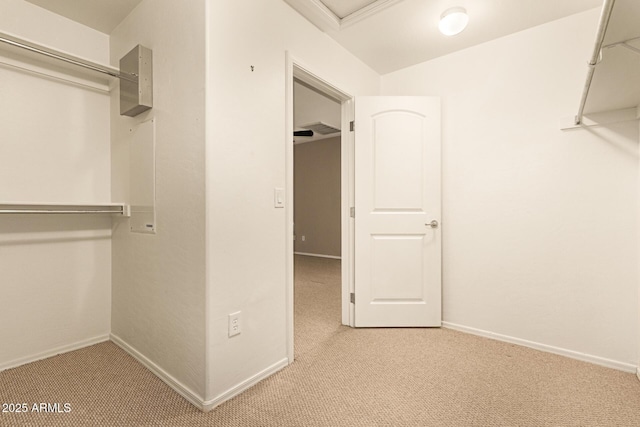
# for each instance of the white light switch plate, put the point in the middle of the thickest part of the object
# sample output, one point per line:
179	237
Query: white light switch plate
278	197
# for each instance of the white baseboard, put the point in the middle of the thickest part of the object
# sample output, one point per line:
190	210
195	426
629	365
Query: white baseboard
176	385
54	352
317	255
621	366
249	382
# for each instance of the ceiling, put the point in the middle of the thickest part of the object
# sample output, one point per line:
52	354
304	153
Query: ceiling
101	15
389	35
385	34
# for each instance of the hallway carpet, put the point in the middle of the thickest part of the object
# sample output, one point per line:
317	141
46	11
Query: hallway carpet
341	377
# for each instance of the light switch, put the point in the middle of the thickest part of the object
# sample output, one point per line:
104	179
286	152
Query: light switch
278	197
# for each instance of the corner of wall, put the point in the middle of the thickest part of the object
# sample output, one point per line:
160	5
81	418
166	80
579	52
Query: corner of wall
179	387
159	283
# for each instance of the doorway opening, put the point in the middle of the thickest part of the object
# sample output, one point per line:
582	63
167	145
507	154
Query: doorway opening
316	217
323	216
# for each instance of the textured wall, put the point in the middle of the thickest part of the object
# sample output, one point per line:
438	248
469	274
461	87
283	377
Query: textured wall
159	280
246	256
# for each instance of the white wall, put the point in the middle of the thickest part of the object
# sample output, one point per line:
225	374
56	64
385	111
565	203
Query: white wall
245	160
54	147
159	280
34	23
539	224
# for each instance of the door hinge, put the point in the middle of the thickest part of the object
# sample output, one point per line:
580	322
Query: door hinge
352	125
352	212
353	298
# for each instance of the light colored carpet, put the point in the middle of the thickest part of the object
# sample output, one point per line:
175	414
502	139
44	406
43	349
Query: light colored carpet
317	302
341	377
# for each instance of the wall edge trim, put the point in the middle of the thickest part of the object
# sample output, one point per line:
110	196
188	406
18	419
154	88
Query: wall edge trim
54	352
184	391
584	357
317	255
244	385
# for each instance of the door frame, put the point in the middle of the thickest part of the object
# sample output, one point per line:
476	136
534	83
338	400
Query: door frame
296	69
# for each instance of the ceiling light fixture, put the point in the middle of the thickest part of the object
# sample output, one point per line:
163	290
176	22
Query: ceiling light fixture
453	21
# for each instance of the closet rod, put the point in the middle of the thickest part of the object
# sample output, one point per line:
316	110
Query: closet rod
97	87
22	208
41	50
607	8
45	211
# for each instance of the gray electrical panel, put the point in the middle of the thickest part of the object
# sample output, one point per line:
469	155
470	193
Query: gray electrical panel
136	83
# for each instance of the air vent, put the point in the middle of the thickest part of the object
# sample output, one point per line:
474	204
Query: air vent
321	128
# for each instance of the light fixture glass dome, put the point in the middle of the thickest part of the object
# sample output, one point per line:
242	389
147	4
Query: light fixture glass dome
453	21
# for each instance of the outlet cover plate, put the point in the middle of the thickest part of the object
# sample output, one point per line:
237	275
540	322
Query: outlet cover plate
235	324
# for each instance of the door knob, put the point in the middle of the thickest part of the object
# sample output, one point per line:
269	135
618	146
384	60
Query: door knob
432	224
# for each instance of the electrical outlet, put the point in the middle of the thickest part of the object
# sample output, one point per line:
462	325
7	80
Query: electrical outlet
235	324
303	238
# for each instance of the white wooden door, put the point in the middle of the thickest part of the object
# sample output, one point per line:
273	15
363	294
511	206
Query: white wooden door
397	196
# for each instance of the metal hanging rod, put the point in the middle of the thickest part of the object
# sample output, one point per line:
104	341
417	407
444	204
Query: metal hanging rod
41	50
607	8
96	87
28	208
45	211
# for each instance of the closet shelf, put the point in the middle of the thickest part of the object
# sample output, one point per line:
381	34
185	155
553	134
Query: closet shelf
613	78
53	208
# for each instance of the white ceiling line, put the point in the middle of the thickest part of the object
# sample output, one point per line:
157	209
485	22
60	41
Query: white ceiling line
366	12
322	17
316	12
